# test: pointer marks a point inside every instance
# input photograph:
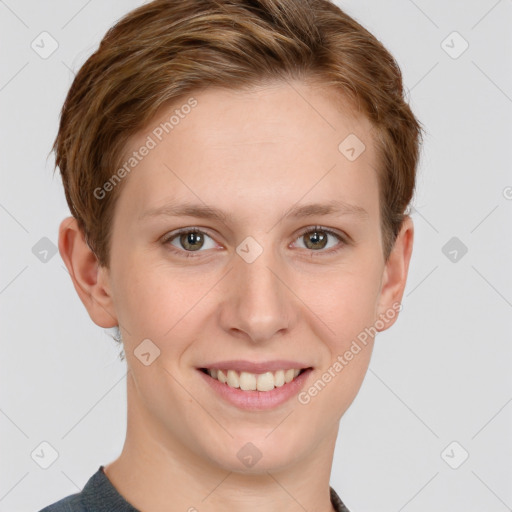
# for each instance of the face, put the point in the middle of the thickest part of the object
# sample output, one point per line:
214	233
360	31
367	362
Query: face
270	281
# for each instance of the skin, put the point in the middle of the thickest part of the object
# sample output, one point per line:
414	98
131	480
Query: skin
253	154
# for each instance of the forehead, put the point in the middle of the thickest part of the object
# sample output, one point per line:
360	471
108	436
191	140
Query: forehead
270	143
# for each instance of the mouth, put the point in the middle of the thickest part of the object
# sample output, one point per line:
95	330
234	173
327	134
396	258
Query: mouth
247	381
258	391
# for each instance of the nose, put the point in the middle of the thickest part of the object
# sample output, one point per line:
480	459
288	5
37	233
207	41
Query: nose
258	305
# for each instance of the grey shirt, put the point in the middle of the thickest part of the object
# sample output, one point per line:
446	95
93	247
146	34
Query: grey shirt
99	495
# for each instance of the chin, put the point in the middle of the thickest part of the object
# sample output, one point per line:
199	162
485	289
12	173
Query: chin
257	453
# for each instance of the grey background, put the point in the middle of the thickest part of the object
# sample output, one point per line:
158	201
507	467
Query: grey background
440	374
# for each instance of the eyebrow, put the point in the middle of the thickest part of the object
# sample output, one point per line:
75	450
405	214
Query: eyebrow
208	212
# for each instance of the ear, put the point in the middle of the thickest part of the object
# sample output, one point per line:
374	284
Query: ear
91	281
395	273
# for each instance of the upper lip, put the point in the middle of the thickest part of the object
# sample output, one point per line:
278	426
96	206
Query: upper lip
251	367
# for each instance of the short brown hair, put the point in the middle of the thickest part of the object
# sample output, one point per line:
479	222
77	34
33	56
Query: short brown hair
168	48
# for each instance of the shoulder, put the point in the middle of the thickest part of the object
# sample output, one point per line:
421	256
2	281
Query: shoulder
98	494
338	505
80	501
72	503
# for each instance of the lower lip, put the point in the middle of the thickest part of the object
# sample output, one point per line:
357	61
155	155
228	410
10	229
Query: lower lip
258	400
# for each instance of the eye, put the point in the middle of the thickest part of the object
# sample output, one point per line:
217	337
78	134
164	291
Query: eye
189	240
186	241
316	239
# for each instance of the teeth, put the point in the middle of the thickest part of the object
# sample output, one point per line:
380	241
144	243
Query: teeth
251	382
233	379
279	378
248	381
265	382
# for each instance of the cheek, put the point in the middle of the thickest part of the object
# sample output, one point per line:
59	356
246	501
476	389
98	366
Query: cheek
345	376
349	312
147	303
156	301
347	303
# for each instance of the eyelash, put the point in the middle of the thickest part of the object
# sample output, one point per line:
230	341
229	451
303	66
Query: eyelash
190	254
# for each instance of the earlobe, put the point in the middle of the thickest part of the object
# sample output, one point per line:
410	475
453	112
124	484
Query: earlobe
395	274
88	277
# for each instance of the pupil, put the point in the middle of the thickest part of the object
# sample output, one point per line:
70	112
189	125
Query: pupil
315	238
191	239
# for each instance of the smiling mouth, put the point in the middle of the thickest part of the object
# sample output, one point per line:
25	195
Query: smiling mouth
247	381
